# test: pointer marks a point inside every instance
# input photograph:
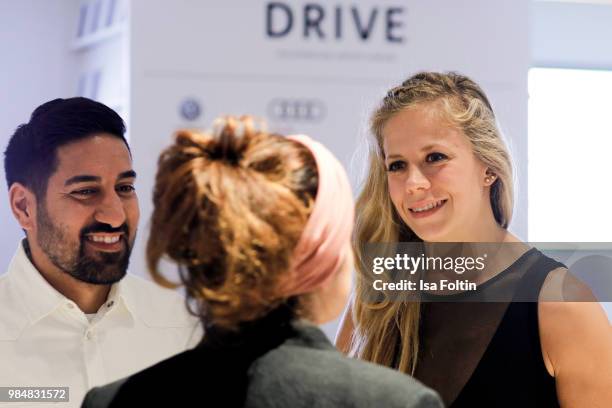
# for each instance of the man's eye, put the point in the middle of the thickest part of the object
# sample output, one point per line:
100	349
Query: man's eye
128	188
396	166
435	157
85	192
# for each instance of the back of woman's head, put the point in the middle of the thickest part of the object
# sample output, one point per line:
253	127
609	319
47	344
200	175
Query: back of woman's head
230	206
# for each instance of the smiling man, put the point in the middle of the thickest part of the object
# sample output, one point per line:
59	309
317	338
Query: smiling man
70	316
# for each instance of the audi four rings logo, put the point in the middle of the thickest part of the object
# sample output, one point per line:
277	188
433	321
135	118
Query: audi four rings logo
287	109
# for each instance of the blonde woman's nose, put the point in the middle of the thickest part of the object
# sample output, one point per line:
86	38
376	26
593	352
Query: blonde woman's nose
416	180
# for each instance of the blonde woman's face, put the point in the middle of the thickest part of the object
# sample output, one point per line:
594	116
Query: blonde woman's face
436	183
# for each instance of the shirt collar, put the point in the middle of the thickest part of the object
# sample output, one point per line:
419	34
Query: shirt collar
120	295
39	297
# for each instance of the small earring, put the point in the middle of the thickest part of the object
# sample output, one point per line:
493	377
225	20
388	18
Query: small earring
489	179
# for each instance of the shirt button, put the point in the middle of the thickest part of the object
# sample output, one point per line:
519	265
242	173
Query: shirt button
89	335
110	304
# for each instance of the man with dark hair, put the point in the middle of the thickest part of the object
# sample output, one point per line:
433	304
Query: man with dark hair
70	316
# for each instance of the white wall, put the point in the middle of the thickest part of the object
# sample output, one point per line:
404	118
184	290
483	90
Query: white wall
570	35
218	53
36	67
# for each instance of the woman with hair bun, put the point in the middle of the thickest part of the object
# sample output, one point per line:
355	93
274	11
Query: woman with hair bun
260	226
440	173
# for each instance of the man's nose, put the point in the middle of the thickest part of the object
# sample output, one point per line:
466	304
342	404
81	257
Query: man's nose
111	211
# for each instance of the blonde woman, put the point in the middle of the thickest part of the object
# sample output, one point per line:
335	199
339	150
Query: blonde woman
260	227
440	172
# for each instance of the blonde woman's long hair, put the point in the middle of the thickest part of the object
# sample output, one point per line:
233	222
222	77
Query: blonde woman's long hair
387	332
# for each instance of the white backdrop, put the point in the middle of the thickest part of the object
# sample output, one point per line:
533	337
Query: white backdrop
220	56
319	75
37	66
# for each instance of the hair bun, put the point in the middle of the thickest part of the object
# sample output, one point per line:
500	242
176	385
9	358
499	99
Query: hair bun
231	136
232	230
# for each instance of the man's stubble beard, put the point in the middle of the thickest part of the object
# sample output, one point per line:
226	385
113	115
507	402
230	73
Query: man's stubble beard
106	268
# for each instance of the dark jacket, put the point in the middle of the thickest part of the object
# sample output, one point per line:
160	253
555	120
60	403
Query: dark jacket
297	367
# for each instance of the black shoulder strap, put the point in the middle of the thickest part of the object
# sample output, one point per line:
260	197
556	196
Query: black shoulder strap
533	279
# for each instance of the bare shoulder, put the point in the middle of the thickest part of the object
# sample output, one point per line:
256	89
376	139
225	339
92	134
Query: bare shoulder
575	336
569	314
562	286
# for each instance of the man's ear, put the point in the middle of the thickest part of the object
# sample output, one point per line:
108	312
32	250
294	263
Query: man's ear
23	205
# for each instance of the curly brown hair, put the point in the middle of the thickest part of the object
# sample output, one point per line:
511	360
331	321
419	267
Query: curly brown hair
229	208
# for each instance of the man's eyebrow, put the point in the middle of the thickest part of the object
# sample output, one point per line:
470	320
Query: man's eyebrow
86	178
127	174
82	178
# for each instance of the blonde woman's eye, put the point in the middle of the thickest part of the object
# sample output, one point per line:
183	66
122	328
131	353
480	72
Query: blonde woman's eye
396	166
435	157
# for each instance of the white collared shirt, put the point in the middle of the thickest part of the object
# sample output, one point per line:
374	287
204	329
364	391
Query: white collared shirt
47	341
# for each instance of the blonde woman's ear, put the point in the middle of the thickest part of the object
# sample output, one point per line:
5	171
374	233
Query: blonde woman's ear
490	177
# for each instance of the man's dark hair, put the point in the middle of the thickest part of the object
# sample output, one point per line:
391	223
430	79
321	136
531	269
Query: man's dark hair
31	155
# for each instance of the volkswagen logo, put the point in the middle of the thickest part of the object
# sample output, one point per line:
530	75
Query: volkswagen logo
296	109
190	109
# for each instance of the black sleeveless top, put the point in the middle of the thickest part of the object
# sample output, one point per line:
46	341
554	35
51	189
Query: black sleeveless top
477	353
